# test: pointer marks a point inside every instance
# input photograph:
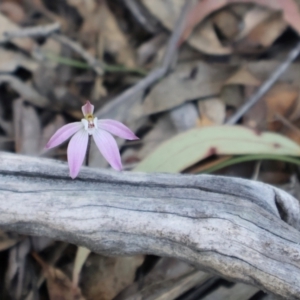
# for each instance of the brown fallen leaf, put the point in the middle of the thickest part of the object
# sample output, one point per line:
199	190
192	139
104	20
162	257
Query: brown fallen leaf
292	132
232	96
267	32
252	18
204	121
207	40
204	38
204	8
263	35
289	129
100	24
233	91
30	131
256	117
162	130
25	90
27	128
282	100
115	40
93	22
212	110
243	77
228	23
6	25
262	69
164	270
295	115
59	285
189	81
10	61
104	277
13	11
172	288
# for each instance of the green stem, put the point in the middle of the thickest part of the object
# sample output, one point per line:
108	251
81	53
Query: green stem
87	156
66	61
82	65
245	158
122	69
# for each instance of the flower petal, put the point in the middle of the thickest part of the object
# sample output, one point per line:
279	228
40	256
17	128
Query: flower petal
87	109
108	147
63	133
77	151
117	128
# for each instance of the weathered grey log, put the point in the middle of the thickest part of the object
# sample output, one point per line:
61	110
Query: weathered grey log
243	230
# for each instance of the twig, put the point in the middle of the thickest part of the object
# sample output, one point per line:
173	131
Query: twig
95	64
36	31
157	73
142	15
266	85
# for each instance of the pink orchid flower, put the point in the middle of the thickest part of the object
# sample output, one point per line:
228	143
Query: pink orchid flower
101	131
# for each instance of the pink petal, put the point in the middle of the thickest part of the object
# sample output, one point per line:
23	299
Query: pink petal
77	151
117	128
63	133
87	109
108	147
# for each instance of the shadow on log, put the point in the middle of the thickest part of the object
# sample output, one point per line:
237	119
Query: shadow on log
240	229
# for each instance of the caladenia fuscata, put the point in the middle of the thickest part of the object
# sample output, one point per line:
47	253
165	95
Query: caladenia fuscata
100	130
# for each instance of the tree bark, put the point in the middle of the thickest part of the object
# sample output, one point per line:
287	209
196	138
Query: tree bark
240	229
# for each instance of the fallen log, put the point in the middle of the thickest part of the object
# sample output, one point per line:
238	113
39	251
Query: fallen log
239	229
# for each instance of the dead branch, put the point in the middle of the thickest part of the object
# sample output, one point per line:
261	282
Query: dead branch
243	230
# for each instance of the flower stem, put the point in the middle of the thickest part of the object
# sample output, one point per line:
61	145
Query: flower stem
87	156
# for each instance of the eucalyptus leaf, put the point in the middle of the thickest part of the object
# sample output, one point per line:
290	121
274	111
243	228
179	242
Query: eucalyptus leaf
194	145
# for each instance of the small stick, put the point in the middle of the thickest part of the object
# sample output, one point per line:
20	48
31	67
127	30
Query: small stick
36	31
266	85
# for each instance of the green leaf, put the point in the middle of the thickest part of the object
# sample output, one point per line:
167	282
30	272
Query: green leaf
194	145
245	158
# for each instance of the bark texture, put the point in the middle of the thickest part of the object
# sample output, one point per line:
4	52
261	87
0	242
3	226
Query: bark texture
240	229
